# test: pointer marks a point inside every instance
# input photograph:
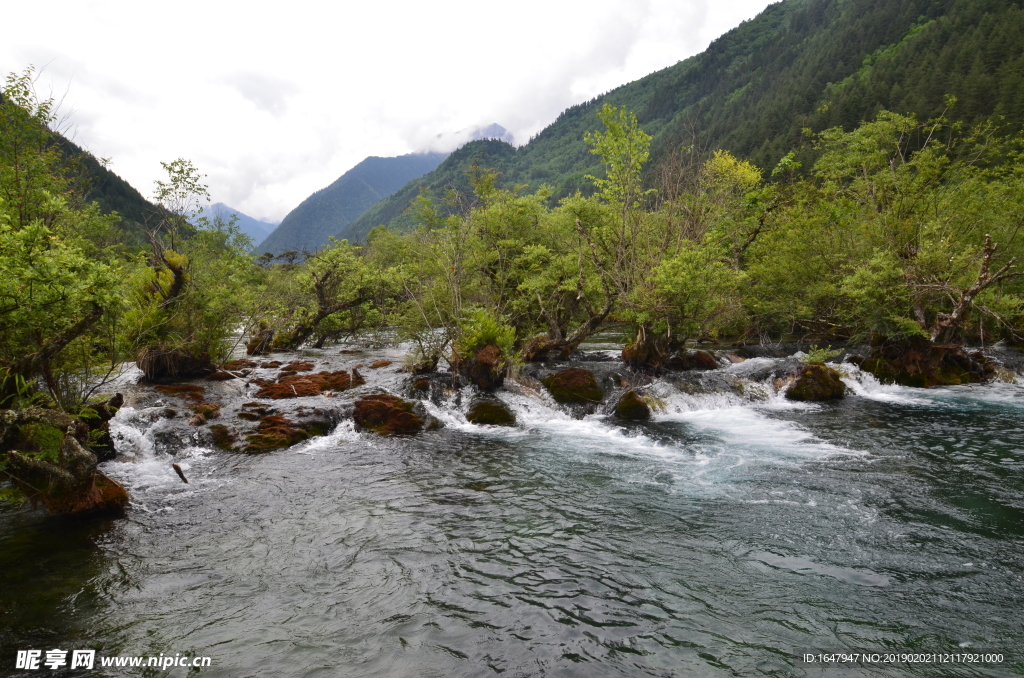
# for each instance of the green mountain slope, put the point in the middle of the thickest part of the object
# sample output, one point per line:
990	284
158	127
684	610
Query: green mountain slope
113	193
799	64
326	212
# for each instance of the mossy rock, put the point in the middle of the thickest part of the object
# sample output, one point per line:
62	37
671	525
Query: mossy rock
222	437
490	412
632	407
574	387
386	415
817	383
918	363
698	360
276	432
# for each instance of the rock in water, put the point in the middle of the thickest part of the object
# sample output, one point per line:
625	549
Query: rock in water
915	361
815	383
386	415
698	360
632	407
574	387
490	412
484	369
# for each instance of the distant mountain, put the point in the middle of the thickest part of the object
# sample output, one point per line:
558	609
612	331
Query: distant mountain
800	64
452	173
329	210
254	228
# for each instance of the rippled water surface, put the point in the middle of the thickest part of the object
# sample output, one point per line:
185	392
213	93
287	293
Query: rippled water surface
721	539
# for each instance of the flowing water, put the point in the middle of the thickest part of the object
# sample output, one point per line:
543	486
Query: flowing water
726	537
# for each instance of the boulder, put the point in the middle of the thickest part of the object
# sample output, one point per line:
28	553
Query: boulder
159	363
276	432
698	360
490	412
574	386
386	414
484	369
917	362
816	383
69	483
632	407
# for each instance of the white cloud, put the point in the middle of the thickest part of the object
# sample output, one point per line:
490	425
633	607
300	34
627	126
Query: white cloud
274	101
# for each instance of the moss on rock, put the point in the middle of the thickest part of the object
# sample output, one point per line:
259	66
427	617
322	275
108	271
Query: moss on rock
632	407
574	387
816	383
386	415
490	412
276	432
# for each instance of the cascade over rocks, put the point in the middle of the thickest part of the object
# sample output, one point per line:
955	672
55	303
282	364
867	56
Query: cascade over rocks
574	386
915	361
816	383
488	410
632	407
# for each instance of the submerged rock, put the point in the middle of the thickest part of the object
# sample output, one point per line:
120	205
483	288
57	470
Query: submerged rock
223	437
632	407
490	412
386	414
816	383
574	386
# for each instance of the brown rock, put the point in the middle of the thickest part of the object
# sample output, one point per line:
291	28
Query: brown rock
816	383
386	415
574	386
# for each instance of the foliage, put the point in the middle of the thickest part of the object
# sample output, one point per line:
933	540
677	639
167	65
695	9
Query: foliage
58	278
818	356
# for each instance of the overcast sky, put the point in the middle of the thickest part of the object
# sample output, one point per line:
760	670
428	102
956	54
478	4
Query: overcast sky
276	100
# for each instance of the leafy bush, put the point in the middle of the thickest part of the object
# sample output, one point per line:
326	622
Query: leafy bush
818	356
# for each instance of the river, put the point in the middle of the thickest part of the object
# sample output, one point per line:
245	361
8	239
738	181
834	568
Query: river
725	537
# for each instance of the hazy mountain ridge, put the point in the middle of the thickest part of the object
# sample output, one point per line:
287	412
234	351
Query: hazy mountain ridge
254	228
326	212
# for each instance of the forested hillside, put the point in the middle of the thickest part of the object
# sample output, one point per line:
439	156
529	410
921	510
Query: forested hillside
799	64
323	214
112	193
